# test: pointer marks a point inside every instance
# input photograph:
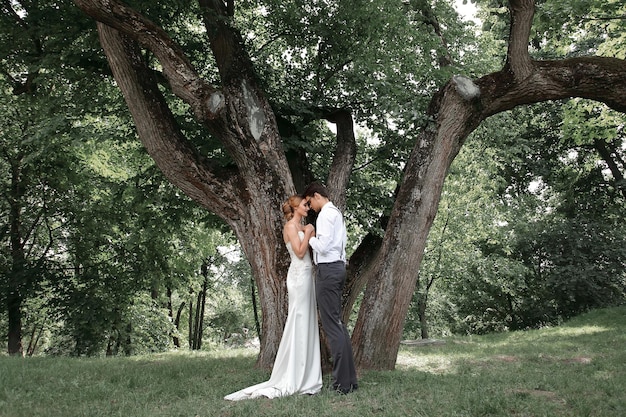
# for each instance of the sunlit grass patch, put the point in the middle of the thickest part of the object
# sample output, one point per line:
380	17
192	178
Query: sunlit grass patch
416	359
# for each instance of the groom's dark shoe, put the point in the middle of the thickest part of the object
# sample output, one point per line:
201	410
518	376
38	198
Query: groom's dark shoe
345	390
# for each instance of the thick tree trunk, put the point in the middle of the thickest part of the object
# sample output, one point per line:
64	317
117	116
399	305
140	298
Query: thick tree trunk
248	196
392	275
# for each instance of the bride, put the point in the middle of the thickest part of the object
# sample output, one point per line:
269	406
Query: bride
297	368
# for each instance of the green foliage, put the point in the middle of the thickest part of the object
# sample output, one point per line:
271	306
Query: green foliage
229	313
151	327
581	27
578	263
101	219
106	228
379	59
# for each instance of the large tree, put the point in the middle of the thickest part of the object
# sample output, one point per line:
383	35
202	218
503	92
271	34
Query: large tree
247	191
456	110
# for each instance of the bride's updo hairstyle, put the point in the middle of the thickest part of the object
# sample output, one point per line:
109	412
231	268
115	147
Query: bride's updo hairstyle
290	206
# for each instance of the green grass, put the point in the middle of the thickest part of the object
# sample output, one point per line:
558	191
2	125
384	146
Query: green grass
578	369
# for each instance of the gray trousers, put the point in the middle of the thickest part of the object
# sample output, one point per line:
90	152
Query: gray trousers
331	278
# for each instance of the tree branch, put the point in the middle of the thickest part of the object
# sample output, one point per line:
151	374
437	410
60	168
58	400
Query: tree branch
231	57
206	101
518	58
344	156
605	153
596	78
158	129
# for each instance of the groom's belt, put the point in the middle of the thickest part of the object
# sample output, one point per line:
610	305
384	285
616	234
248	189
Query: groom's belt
331	262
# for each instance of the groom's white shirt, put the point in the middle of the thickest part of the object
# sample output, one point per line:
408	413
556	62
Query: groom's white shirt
329	243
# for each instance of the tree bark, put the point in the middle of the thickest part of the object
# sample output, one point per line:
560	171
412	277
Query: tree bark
344	157
356	278
423	302
14	310
255	309
247	198
202	306
177	323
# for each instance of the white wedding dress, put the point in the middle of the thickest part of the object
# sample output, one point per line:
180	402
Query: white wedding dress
297	368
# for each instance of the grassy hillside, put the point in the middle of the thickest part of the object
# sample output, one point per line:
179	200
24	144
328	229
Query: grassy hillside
578	369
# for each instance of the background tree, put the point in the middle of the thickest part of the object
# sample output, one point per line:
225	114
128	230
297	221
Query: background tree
42	101
87	220
32	200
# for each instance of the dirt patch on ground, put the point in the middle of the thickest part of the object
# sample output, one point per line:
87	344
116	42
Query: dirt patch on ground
538	393
584	360
581	359
423	342
506	358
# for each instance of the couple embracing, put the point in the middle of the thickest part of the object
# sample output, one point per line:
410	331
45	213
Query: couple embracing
297	368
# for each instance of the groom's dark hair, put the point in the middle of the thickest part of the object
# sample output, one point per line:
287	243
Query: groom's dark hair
313	188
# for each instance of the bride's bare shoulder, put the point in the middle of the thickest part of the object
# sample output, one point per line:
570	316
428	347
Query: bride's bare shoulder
289	229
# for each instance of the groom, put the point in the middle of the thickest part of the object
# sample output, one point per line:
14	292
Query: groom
329	254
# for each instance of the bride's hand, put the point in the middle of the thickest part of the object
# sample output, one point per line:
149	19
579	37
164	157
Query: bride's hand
309	228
